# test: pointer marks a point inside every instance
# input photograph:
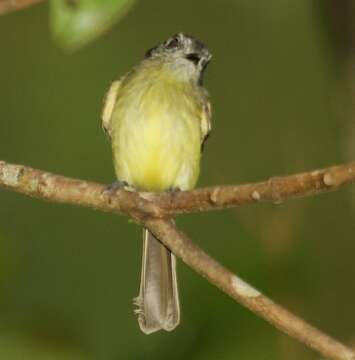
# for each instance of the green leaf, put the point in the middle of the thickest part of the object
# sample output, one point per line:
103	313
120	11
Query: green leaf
75	23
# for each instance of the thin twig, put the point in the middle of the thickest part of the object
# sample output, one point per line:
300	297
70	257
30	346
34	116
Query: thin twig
244	293
275	190
14	5
153	210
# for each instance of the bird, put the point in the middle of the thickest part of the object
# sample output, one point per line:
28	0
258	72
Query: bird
158	117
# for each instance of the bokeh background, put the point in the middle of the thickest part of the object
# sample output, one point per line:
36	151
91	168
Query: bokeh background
281	83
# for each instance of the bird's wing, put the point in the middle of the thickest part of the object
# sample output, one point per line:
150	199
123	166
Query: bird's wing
108	105
206	124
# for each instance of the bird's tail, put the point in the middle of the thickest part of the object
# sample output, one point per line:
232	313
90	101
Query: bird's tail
158	299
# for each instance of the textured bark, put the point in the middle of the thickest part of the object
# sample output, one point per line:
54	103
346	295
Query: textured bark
153	211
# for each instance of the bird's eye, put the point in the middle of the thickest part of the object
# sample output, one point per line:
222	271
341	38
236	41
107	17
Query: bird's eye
172	43
195	58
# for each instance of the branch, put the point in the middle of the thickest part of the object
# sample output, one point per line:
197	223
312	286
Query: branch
275	190
244	293
14	5
56	188
153	210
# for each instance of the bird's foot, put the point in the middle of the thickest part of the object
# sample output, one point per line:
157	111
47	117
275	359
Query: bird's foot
117	185
174	190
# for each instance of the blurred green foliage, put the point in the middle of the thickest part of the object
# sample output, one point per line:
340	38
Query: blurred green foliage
75	23
281	104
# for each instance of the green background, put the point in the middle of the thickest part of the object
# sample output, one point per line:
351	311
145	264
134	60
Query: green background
281	104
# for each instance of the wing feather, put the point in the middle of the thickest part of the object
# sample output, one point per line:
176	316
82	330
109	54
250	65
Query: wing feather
206	124
108	105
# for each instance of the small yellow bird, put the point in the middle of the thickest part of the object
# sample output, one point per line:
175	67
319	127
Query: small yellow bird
158	118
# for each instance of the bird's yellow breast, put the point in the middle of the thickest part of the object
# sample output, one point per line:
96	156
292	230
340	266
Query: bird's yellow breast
156	131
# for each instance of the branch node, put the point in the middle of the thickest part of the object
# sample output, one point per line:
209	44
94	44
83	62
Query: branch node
328	179
255	195
315	173
11	174
214	195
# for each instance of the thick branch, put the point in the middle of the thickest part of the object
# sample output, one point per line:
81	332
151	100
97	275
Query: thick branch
56	188
152	210
13	5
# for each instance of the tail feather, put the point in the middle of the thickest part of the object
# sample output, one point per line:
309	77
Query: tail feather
158	299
